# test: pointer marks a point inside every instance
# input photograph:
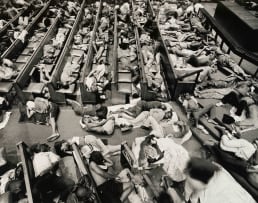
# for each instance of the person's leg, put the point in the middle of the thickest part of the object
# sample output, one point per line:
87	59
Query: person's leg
155	126
76	106
107	129
198	114
140	118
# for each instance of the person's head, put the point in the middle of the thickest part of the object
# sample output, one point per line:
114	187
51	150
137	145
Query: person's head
37	148
102	112
199	172
243	88
168	114
163	107
30	105
62	147
164	197
84	194
97	157
255	143
150	139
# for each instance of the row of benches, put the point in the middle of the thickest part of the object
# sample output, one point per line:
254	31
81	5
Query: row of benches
127	160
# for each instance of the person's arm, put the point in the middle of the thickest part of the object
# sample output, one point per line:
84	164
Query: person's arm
108	162
95	168
127	191
234	143
30	112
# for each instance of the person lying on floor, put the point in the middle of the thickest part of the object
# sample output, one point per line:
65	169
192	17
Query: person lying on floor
173	157
7	69
104	126
44	106
64	147
90	110
208	182
236	99
141	106
47	175
224	60
234	152
110	187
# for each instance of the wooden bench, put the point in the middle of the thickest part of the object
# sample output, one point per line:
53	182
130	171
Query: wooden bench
59	95
25	88
128	160
176	85
14	21
67	165
17	47
88	97
83	167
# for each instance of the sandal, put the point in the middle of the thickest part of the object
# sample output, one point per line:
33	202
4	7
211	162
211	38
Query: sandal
53	137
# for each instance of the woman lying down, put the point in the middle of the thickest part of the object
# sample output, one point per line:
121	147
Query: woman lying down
150	151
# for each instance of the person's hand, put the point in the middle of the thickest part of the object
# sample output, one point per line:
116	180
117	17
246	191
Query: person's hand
82	124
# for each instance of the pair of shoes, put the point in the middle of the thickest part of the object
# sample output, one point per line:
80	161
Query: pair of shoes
53	137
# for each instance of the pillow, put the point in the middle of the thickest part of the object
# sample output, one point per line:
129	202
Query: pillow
43	162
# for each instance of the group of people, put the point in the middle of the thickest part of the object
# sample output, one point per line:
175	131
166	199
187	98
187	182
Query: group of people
186	179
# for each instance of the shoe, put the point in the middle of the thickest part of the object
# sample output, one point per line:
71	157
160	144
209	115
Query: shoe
53	137
145	127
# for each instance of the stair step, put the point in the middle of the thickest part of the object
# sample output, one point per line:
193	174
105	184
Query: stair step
124	77
23	58
125	87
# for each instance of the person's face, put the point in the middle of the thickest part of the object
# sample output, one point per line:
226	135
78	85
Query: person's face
244	90
64	146
163	107
153	141
168	115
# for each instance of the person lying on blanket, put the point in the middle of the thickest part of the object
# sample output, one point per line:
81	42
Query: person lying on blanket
236	99
141	106
64	147
208	182
43	106
98	125
173	157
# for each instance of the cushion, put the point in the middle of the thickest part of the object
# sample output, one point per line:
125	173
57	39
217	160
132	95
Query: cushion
43	162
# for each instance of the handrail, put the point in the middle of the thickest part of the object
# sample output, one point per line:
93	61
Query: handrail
242	52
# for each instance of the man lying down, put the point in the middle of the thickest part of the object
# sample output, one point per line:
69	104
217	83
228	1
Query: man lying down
156	116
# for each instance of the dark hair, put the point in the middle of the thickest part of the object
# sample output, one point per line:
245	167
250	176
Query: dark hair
164	197
201	169
58	149
36	148
97	157
102	112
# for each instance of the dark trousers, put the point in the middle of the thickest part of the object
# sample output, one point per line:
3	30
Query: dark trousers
50	185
